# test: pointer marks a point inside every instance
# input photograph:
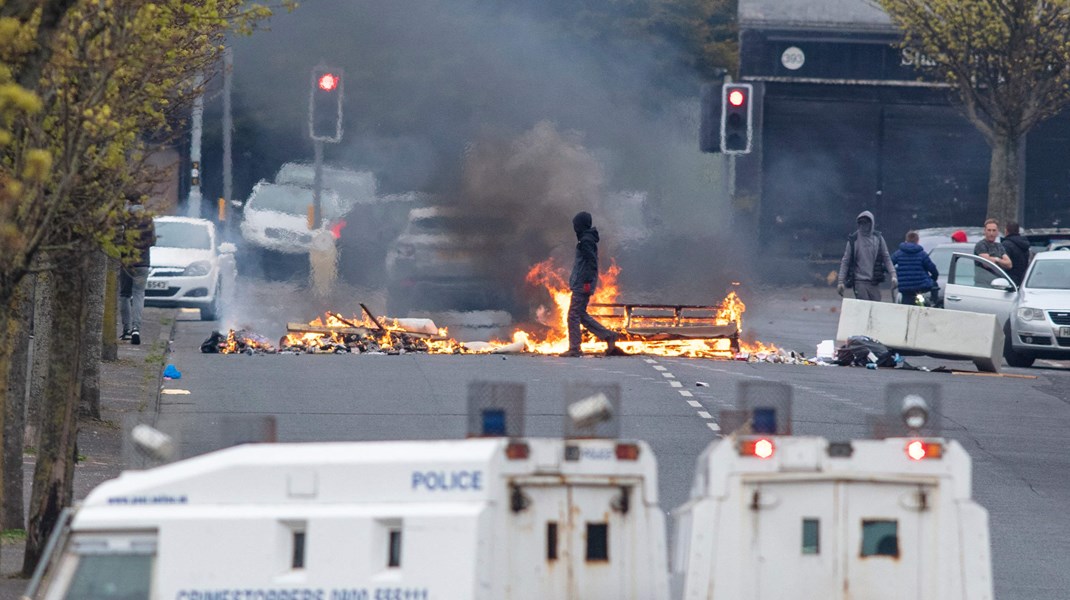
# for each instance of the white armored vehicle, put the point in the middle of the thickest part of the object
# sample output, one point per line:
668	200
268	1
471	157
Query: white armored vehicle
773	516
499	517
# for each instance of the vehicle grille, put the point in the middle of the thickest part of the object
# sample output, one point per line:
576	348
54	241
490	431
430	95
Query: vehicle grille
285	234
1060	317
1065	342
167	272
161	293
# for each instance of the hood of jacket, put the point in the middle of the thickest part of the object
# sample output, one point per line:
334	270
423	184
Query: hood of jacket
1017	240
910	248
873	221
581	222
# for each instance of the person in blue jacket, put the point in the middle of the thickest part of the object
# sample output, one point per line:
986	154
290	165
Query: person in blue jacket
915	271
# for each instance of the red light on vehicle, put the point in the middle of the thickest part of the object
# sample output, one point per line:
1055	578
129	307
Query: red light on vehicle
736	98
627	451
328	82
918	450
517	451
762	448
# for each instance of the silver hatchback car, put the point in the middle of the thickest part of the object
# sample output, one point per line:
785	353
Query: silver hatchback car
1036	317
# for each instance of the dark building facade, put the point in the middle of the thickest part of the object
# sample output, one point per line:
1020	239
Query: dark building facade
846	124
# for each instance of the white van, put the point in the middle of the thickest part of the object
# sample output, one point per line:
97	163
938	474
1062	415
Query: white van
492	518
775	516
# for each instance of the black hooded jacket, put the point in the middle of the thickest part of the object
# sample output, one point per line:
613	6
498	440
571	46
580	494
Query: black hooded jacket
1017	248
585	267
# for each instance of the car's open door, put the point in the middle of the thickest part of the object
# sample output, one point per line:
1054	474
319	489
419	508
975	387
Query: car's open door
976	284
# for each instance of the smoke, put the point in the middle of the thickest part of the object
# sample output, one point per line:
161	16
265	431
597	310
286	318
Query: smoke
498	107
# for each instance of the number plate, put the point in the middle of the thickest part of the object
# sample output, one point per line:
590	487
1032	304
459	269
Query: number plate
1064	332
156	285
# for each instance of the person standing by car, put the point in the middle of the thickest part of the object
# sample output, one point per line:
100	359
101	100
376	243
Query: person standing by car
865	261
1017	249
992	250
582	283
915	271
140	233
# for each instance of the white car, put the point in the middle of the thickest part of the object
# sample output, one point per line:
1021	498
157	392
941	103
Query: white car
276	217
1036	317
189	267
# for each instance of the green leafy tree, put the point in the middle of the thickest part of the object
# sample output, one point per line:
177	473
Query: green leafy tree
84	86
1009	64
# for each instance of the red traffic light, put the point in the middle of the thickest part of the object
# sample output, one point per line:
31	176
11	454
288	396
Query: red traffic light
328	82
736	97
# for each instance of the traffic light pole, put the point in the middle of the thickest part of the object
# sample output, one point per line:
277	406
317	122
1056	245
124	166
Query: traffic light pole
317	185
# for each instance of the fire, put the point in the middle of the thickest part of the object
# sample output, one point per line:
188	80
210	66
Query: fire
334	333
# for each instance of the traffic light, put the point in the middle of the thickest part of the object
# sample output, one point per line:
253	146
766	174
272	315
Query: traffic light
736	127
325	104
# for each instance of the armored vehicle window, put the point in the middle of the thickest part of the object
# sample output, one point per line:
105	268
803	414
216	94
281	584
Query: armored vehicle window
880	538
811	536
597	541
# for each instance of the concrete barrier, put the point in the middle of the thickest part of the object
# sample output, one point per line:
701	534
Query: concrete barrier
952	333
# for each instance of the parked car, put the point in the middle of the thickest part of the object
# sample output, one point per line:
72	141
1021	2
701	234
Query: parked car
447	260
189	267
931	237
1035	318
941	257
276	217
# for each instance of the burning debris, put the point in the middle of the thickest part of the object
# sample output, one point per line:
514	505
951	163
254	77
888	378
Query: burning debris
694	331
236	342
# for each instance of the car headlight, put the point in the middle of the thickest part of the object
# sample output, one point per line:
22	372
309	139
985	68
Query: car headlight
198	269
1030	314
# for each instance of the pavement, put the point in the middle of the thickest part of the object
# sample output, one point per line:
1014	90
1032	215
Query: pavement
129	389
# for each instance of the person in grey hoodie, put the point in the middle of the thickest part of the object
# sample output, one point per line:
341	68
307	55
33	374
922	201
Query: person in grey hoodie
865	262
582	283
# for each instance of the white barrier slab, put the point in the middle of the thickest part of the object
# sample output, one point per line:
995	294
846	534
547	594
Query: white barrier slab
975	336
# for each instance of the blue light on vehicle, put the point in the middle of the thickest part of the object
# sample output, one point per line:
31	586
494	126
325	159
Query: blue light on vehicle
764	421
493	422
1030	314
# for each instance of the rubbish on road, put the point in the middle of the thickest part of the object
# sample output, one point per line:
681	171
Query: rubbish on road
826	349
1011	375
932	331
701	384
173	392
861	350
171	372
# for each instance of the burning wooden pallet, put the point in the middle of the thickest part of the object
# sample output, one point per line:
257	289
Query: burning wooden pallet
667	322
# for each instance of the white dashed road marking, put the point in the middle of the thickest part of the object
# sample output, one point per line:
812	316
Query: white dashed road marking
686	394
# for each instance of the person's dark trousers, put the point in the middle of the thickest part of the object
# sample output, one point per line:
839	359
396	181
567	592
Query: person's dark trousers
910	297
577	315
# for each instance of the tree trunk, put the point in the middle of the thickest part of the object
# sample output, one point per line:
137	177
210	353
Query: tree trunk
42	324
110	348
1005	179
92	338
14	420
57	450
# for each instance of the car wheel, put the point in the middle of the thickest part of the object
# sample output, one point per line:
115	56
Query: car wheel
1014	358
1022	360
212	311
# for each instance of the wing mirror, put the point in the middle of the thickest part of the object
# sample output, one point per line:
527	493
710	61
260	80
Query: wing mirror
1000	283
227	248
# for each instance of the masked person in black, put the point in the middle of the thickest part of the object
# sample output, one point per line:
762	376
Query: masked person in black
582	283
133	276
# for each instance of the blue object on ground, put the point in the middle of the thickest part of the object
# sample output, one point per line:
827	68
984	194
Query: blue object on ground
171	372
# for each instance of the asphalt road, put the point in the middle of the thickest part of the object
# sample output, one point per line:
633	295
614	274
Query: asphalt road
1014	428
